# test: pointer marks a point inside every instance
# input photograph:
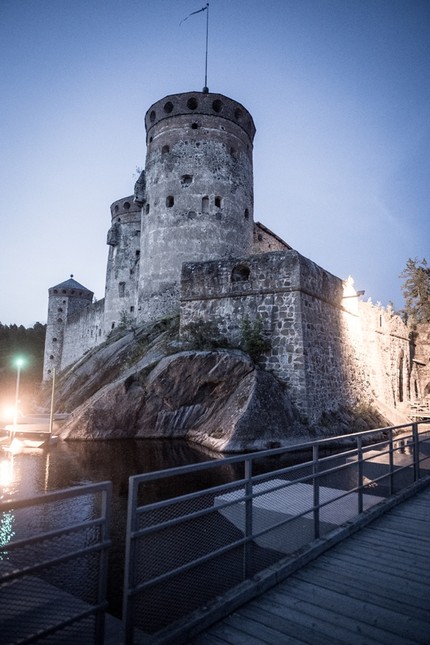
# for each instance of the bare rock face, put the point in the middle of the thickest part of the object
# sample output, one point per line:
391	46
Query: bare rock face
218	399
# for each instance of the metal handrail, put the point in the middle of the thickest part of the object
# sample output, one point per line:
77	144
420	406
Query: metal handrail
24	576
144	521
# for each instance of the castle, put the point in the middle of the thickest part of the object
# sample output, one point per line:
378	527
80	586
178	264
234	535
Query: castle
186	242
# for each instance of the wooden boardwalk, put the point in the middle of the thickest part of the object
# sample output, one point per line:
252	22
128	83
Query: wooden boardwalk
374	587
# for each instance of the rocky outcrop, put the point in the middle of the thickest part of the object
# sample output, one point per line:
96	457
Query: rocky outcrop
218	399
142	384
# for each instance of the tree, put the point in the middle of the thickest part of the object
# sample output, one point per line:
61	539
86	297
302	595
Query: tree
29	343
416	290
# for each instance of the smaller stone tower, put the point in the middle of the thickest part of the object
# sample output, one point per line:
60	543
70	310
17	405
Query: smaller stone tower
122	272
65	299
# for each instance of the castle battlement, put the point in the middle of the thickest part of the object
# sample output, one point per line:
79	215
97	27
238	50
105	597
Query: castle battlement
198	104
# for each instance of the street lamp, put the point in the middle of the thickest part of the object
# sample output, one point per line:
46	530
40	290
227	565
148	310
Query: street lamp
19	362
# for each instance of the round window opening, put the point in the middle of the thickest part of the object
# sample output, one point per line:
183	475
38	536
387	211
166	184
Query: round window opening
168	107
152	116
192	103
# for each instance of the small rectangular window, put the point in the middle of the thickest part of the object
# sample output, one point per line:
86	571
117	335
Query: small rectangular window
121	289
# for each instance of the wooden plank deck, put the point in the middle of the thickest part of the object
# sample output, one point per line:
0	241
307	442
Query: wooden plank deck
374	587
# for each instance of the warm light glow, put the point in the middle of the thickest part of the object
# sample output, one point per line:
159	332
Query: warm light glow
350	299
8	412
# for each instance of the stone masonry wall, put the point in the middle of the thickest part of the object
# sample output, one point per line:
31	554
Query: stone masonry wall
300	306
265	241
386	353
421	384
83	331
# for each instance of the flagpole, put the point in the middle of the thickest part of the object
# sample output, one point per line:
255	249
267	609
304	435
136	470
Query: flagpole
206	89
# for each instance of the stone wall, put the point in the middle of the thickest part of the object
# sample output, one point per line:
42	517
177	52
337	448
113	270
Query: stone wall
420	388
266	241
386	354
83	331
301	309
329	349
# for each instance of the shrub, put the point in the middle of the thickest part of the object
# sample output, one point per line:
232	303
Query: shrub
253	341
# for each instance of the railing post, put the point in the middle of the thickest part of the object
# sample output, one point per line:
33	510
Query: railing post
316	487
247	554
416	451
391	458
106	505
129	566
360	474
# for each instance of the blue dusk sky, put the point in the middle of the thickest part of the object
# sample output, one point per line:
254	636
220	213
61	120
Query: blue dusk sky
340	95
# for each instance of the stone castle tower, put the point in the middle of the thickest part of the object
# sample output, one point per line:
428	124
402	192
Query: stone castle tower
122	272
192	202
196	192
66	300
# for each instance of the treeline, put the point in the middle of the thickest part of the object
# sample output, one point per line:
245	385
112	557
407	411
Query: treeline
27	344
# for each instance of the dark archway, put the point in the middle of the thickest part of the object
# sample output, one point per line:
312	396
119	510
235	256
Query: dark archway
240	273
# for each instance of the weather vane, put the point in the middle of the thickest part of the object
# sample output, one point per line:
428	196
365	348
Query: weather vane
206	8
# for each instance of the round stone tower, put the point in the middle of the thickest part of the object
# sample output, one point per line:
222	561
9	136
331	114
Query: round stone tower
197	192
64	300
122	272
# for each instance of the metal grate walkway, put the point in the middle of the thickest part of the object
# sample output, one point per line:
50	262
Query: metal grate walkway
373	587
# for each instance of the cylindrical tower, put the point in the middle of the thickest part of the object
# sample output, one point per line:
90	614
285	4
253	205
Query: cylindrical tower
65	299
198	198
122	272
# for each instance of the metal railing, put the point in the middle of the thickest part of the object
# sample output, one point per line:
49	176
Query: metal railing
246	514
53	584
